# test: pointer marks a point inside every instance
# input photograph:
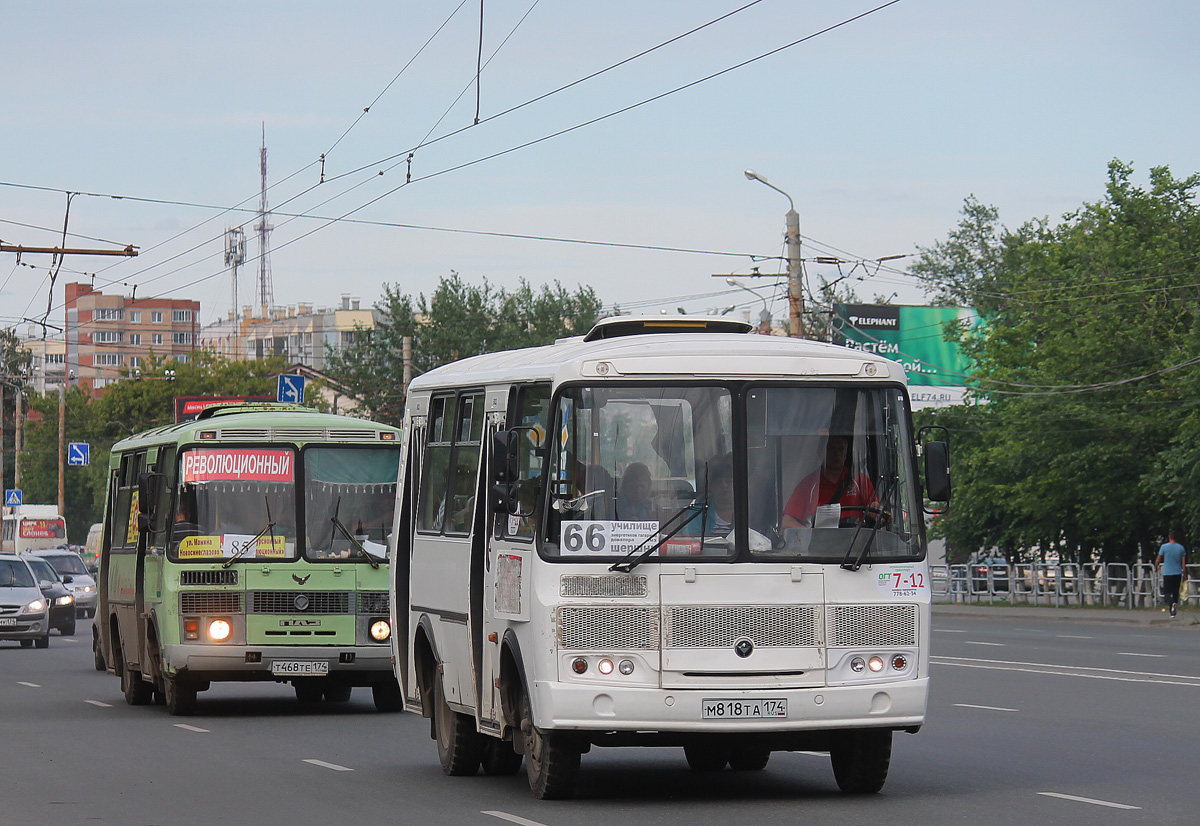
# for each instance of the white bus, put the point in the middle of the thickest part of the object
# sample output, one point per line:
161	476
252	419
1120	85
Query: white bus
31	528
667	532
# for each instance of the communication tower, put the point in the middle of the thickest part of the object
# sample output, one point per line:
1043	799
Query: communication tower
265	293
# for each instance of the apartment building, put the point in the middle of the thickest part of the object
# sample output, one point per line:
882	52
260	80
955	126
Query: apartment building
105	333
299	333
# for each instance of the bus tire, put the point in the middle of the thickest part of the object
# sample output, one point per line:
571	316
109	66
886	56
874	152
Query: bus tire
551	761
97	651
387	696
137	691
308	690
499	759
860	759
459	745
179	696
749	758
706	757
337	692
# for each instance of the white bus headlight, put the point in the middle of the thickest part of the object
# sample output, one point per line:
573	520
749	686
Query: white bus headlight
857	665
219	630
875	664
380	630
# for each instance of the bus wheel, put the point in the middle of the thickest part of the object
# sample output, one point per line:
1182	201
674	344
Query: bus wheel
458	743
337	693
387	696
551	761
97	653
860	759
706	757
137	691
179	696
747	758
308	690
499	759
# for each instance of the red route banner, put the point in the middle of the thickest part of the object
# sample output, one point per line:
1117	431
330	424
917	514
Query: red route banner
43	529
237	464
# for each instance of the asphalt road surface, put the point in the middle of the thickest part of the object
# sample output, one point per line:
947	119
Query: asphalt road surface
1029	721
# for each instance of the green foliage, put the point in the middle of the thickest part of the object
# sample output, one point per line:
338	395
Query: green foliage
14	372
457	321
127	407
1085	444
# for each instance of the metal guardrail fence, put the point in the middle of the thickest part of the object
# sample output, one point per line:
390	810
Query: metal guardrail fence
1068	583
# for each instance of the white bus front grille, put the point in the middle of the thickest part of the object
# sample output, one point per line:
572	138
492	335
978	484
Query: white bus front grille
872	625
608	627
721	626
602	585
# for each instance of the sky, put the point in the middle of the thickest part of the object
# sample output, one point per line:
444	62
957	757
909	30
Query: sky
876	120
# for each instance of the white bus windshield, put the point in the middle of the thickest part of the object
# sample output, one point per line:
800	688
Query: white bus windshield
816	474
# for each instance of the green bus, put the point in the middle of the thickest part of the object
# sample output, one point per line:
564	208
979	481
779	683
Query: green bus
251	544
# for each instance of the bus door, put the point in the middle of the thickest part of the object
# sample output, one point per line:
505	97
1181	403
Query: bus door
124	571
152	546
516	473
441	544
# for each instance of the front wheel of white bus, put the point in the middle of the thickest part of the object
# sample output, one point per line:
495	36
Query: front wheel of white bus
860	759
551	761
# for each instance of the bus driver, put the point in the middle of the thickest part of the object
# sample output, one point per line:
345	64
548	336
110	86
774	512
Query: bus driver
833	484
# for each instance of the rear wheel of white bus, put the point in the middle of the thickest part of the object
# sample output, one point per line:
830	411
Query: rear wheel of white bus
460	746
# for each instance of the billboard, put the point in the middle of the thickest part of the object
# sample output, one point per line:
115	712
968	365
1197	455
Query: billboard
187	408
915	337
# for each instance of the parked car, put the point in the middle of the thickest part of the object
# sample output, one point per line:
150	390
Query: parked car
978	571
59	598
23	611
75	576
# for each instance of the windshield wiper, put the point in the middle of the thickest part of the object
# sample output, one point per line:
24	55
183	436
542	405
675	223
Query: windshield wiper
337	523
254	542
626	564
866	548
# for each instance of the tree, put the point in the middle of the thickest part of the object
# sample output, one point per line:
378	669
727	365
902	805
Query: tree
127	407
458	320
15	363
1082	442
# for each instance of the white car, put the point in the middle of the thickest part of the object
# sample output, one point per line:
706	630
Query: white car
24	614
75	576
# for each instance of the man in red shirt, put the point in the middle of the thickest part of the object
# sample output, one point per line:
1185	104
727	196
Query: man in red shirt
832	484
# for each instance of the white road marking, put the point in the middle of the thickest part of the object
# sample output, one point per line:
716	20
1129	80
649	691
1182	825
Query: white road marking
186	727
1071	637
31	685
1071	671
325	765
1138	654
986	708
513	818
948	631
814	753
1089	800
98	703
975	642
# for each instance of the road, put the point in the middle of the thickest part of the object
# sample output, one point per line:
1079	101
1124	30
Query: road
1064	723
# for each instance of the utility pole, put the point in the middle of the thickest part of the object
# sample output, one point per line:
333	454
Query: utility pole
795	274
129	252
62	445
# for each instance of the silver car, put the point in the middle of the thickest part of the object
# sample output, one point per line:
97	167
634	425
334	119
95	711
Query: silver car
24	614
75	576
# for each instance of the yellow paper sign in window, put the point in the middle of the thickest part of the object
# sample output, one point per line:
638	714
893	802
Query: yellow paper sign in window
197	547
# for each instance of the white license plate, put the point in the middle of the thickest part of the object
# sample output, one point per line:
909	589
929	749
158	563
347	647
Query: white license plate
8	620
299	668
743	709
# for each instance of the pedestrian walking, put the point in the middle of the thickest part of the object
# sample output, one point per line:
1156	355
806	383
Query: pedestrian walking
1171	562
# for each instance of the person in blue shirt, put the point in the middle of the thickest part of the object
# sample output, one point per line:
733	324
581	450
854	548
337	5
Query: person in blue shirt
1172	561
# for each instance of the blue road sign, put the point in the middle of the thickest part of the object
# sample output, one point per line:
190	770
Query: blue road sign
79	454
291	389
12	497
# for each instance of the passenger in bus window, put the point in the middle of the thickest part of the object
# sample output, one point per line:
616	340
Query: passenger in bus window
833	484
185	518
633	502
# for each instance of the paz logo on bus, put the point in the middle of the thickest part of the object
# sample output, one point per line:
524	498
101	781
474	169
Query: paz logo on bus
743	648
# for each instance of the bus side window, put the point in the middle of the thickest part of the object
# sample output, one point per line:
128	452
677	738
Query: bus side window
436	475
532	415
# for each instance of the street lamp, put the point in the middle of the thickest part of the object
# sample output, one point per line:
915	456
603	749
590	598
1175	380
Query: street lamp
764	315
795	294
